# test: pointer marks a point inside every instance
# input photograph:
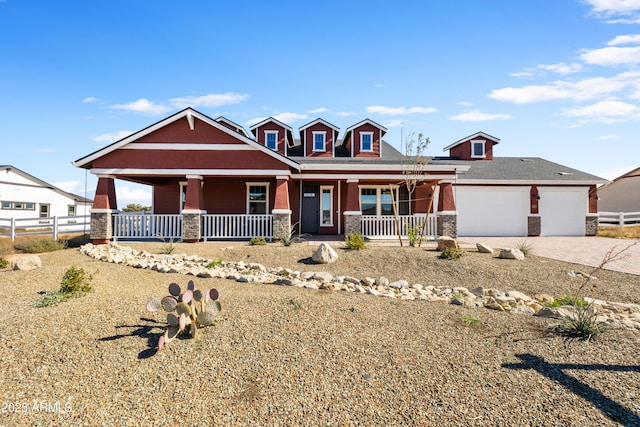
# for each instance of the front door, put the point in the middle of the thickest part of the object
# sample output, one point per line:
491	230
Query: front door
310	208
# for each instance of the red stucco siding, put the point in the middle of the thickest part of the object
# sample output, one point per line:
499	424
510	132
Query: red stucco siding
308	138
463	150
375	141
179	132
262	139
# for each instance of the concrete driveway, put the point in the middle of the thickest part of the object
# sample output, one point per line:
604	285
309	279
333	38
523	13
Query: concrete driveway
580	250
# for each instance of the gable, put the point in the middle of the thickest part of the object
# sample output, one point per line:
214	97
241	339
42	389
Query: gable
180	132
478	146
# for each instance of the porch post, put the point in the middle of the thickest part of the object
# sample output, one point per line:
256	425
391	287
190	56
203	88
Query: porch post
281	208
352	213
104	206
447	214
193	210
591	225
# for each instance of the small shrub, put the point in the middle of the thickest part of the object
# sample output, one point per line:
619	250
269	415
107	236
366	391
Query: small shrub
258	241
296	305
3	263
525	247
451	253
582	325
215	263
40	245
414	234
354	241
76	281
167	248
469	319
288	236
567	300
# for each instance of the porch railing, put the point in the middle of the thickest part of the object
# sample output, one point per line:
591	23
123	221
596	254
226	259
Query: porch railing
618	219
385	226
136	226
53	225
219	226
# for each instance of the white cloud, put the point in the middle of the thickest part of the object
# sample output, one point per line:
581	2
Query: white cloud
378	109
395	123
607	137
476	116
143	106
604	112
108	138
344	113
318	110
612	55
542	69
614	7
465	103
69	186
127	195
378	85
289	117
211	100
90	99
626	39
581	90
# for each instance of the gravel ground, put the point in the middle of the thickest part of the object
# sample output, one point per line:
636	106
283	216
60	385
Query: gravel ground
293	356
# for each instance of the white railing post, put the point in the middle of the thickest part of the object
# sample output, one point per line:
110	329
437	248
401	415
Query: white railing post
55	228
621	222
13	229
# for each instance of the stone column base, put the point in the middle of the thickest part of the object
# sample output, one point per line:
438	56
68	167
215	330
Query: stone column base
281	224
352	222
191	226
591	225
101	226
447	224
533	225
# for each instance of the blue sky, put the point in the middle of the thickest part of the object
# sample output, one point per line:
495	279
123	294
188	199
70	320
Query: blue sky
557	79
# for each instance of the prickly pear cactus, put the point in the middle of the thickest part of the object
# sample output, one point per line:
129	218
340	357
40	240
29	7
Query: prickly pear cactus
187	310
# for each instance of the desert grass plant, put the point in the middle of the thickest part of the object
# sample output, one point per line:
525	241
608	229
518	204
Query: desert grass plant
583	323
215	263
40	245
567	300
525	247
76	282
289	236
632	232
452	253
258	241
469	319
3	263
354	241
168	247
188	310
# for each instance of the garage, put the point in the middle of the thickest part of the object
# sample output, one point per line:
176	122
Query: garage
492	211
562	211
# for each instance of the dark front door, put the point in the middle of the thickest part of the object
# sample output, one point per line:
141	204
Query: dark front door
310	208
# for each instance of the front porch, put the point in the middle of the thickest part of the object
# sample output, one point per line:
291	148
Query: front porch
231	226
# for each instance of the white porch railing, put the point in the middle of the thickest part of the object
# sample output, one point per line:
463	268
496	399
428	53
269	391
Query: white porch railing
618	219
137	226
385	226
220	226
54	225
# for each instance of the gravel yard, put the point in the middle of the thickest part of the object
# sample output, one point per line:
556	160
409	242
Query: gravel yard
292	356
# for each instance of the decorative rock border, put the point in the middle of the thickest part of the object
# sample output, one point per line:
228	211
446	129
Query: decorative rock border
514	302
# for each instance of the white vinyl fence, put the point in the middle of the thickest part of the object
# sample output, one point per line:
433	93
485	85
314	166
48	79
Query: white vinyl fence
220	226
385	226
618	219
53	225
142	226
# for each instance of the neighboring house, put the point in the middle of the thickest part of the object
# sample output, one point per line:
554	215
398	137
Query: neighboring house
25	196
205	170
622	194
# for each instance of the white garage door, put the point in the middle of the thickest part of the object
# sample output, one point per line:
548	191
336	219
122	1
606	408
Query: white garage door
562	211
492	211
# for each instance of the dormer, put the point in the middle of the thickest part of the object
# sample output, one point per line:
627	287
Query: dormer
273	134
478	146
364	139
318	138
231	125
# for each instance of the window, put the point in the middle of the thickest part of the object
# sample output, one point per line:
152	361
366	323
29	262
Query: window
271	137
71	210
319	141
44	210
366	141
19	206
183	194
377	200
326	206
477	148
257	198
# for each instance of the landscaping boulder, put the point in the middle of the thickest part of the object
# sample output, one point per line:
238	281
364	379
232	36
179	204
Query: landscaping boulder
446	242
484	249
31	262
325	254
511	253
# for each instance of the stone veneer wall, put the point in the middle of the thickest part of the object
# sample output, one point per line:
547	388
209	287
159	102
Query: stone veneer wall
591	225
281	224
191	227
101	226
533	226
352	223
447	225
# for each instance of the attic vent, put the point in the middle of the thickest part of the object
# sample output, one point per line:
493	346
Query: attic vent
526	160
565	173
